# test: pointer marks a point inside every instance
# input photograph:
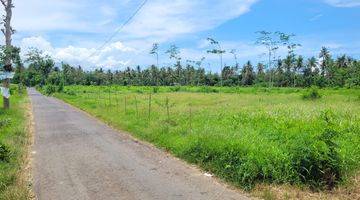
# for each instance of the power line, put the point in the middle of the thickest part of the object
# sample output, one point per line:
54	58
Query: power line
120	28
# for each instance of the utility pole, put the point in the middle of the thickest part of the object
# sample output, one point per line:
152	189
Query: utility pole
7	31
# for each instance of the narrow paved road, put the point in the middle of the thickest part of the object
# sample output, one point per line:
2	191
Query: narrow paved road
78	157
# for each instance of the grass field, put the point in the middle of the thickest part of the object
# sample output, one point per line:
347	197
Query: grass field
243	135
13	148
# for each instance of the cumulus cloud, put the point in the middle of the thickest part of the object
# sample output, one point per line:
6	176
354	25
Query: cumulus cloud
73	29
114	56
64	15
343	3
165	19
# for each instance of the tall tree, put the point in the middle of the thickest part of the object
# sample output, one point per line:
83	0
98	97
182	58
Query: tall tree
325	57
233	52
290	61
154	51
218	51
174	53
8	32
310	72
260	75
271	44
247	74
298	66
42	65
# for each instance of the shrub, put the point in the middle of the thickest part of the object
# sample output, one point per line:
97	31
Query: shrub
4	122
175	89
207	89
155	89
4	153
316	160
49	89
312	94
69	92
60	88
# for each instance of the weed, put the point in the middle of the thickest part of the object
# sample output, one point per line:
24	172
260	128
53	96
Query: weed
4	122
268	195
312	94
207	89
155	90
4	153
175	88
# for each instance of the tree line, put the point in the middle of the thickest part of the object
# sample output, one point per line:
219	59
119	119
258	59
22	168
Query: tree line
293	70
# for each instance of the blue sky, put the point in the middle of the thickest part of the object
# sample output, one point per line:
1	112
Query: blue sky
71	31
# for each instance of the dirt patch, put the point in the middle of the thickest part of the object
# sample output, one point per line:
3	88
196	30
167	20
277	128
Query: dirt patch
348	191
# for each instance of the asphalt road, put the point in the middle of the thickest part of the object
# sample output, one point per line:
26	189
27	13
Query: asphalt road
78	157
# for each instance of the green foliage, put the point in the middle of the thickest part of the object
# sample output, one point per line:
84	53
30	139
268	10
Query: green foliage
312	94
175	88
291	71
318	163
13	141
243	135
39	69
49	89
4	153
207	89
69	92
155	90
4	122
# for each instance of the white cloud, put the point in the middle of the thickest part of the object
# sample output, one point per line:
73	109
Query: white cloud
165	19
316	17
37	42
62	15
116	55
70	26
161	19
343	3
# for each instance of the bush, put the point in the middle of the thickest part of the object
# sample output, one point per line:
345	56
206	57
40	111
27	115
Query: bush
4	122
312	94
155	89
69	92
207	89
4	153
175	88
49	89
60	88
316	160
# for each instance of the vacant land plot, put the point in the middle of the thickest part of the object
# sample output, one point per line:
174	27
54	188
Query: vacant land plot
243	135
13	147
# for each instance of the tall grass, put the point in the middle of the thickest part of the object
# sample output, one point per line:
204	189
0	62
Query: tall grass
13	148
243	135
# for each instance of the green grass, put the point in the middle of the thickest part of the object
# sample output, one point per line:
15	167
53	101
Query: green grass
243	135
13	138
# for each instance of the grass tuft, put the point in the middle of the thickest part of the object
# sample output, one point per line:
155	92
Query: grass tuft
312	94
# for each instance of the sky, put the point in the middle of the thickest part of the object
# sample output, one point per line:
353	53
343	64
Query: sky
72	31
